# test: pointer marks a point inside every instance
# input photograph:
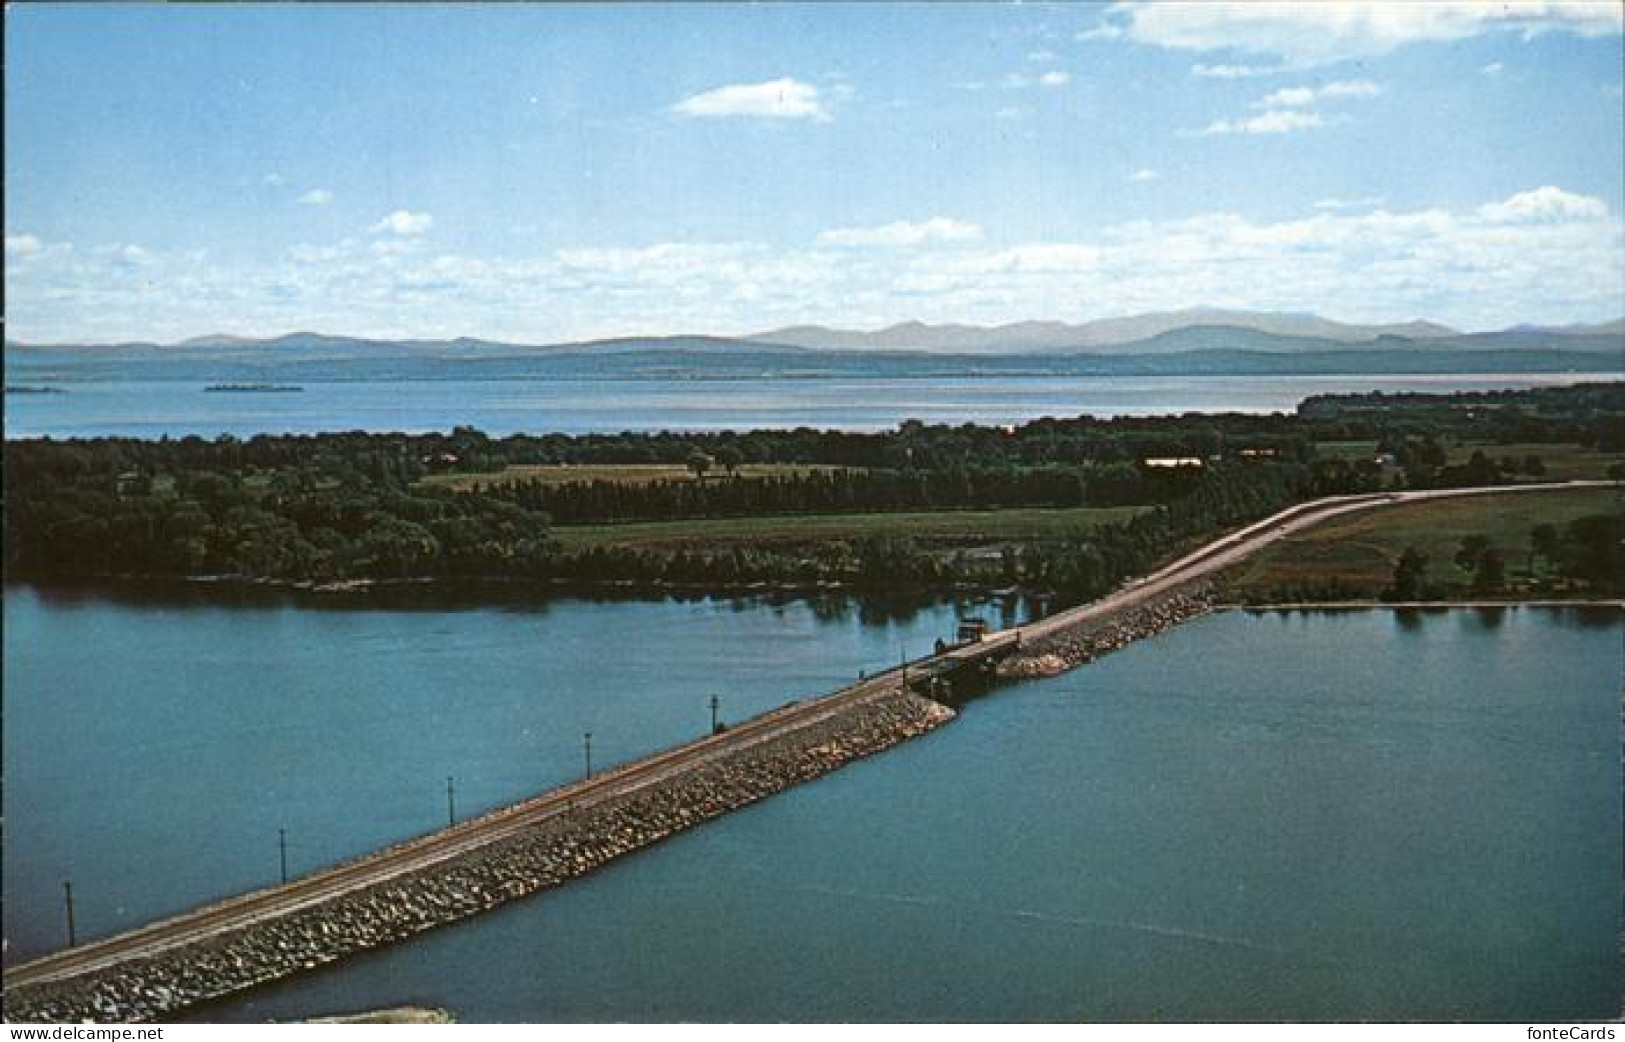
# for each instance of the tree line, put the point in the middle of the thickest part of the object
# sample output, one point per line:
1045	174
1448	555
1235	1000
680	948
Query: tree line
354	504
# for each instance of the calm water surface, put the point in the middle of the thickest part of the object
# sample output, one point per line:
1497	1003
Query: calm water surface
1282	816
154	745
500	407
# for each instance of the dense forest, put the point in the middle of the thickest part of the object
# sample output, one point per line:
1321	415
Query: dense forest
329	507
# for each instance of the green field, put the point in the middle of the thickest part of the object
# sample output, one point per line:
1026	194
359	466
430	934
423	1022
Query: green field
628	473
1346	450
1359	552
951	527
1563	462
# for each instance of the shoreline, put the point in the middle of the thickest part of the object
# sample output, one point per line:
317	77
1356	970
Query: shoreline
352	590
1376	605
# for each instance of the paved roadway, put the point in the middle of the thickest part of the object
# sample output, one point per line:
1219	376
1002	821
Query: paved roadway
1231	549
414	855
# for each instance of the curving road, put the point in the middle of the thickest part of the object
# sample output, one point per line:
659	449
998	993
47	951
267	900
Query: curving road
1229	550
415	855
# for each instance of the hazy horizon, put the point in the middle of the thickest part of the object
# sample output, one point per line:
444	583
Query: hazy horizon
1209	317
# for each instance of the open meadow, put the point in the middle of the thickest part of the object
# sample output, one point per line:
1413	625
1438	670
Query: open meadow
1356	556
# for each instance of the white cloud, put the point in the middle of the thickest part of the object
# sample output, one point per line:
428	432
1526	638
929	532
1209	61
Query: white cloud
1286	110
1362	203
1546	204
22	245
1493	69
1350	89
1041	56
404	222
903	233
1293	96
1286	96
1105	31
1144	174
395	247
316	197
1306	34
1233	72
1276	121
783	98
1021	81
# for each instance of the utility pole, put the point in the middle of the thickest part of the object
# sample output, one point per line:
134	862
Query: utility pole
714	704
67	897
587	741
282	851
451	803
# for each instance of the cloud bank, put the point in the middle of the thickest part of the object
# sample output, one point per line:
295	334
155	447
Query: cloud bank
1308	34
1544	255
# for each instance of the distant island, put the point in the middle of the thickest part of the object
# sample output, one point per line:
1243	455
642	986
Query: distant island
25	389
254	388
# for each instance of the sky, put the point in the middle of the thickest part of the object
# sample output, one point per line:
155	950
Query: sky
557	172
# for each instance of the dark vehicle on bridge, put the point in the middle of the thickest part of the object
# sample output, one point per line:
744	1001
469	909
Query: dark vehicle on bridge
971	630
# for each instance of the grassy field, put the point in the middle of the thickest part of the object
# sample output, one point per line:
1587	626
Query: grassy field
954	527
1359	552
1563	462
1346	450
629	473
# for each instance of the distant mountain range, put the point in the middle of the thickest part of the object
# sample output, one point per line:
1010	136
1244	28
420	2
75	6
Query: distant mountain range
1103	333
1193	329
1196	342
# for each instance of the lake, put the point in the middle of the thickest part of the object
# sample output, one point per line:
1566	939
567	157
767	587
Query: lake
1317	816
500	407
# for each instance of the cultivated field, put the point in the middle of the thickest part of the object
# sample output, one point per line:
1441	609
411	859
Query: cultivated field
1359	552
1563	462
628	473
964	527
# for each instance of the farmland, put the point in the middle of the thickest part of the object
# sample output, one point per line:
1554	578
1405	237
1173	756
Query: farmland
1355	557
626	473
952	527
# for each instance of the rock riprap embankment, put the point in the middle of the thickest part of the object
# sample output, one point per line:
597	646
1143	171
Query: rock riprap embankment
558	849
1058	652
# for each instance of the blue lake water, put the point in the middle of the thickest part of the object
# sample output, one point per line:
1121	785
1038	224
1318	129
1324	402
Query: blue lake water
156	742
153	409
1367	815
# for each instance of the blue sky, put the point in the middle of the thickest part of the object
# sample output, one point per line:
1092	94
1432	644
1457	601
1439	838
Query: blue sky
543	173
